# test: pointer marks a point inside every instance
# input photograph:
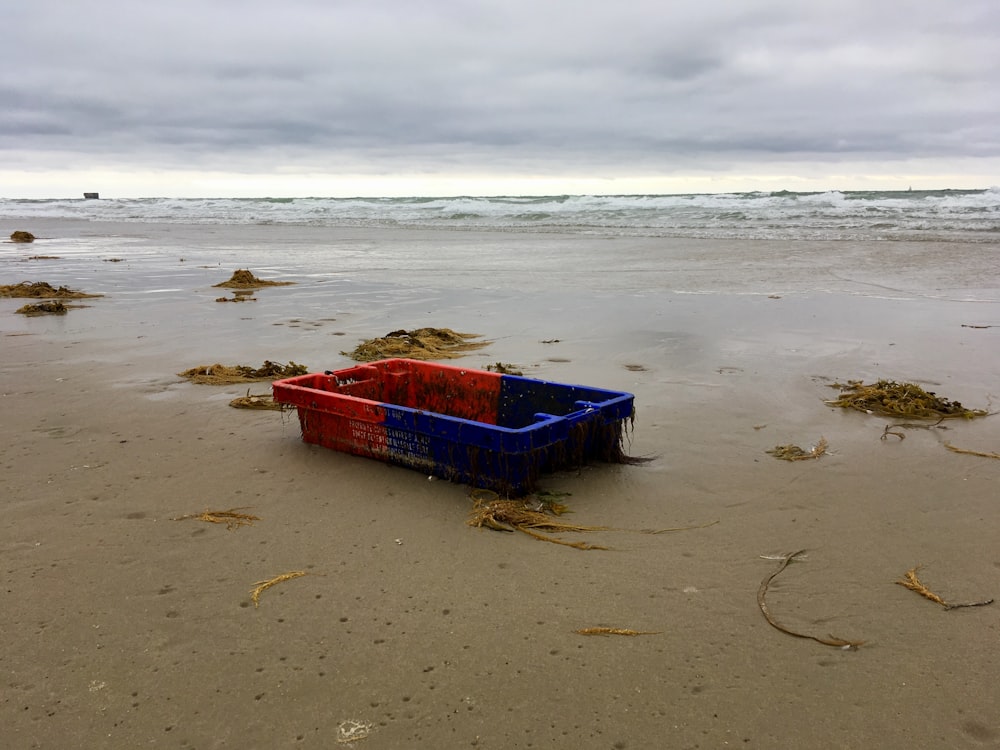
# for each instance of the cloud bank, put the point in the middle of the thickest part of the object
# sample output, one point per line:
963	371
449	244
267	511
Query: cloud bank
499	90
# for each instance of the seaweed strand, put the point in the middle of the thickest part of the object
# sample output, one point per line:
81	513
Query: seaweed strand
830	640
911	581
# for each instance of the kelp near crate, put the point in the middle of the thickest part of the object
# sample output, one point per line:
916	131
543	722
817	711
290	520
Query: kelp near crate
500	432
888	398
228	374
421	343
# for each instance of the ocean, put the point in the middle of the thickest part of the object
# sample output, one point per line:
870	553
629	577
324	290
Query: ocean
918	215
681	283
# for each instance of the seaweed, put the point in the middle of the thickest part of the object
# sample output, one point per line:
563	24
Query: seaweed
504	369
420	343
830	640
224	375
533	516
44	308
232	517
242	278
888	398
353	730
615	631
42	290
967	452
516	515
911	581
21	236
890	430
259	401
261	586
795	453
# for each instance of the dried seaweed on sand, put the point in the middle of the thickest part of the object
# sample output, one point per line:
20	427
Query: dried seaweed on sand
242	278
261	586
830	640
676	528
516	515
45	308
888	398
232	517
536	516
353	730
913	583
967	452
260	401
421	343
42	290
224	375
795	453
615	631
20	235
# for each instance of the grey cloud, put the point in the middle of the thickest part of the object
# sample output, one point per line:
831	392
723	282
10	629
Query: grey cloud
635	84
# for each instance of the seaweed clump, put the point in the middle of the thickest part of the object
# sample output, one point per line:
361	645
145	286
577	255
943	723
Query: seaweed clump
41	290
259	401
538	522
240	296
242	278
22	236
504	369
223	374
795	453
888	398
537	516
43	308
421	343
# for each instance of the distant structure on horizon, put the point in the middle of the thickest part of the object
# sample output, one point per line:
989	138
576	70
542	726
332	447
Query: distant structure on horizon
91	196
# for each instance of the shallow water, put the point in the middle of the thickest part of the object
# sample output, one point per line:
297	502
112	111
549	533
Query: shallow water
672	310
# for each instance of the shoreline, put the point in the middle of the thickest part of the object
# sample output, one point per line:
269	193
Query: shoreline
125	627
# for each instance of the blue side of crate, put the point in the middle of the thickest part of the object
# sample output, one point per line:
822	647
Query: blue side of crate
521	398
510	459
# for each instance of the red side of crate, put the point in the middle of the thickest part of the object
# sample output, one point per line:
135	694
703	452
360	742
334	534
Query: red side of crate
442	389
361	437
332	418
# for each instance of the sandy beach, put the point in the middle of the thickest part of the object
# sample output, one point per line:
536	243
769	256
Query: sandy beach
125	628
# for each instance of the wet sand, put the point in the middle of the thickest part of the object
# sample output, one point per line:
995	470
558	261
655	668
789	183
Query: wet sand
125	628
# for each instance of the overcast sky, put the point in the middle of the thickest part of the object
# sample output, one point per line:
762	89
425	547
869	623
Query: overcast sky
417	97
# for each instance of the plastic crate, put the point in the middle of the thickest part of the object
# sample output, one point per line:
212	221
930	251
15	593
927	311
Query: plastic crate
495	431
